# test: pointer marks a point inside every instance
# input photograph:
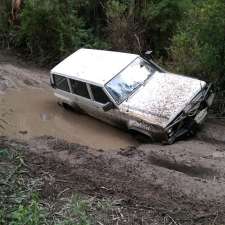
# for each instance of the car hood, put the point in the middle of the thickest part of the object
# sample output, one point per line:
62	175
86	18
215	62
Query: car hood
162	98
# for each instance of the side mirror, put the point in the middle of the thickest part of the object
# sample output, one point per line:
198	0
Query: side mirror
148	53
108	106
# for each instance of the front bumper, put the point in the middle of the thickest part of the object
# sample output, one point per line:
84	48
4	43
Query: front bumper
192	116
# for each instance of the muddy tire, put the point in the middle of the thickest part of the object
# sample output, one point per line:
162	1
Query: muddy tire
74	108
170	141
67	106
140	137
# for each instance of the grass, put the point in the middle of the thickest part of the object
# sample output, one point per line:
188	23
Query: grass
20	201
30	198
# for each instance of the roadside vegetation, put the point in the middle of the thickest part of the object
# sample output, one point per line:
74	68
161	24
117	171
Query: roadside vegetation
23	202
33	195
186	36
20	197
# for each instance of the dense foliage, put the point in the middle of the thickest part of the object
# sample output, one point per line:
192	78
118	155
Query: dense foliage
198	48
188	36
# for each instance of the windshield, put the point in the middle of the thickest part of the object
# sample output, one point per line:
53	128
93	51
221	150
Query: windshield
130	79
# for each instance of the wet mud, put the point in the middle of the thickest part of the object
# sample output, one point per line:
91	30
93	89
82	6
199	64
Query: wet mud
33	112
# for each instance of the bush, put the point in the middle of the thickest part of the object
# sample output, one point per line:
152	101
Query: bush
137	26
121	26
159	19
5	28
51	30
198	48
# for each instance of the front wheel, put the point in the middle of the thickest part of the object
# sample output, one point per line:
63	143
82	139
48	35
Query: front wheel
142	138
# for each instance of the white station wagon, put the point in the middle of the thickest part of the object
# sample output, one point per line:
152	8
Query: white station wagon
129	91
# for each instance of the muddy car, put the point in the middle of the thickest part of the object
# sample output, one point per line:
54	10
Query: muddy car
127	90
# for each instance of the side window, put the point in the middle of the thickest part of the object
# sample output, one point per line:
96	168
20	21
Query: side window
99	95
61	83
79	88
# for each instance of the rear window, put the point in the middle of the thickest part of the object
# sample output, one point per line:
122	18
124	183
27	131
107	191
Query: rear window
61	83
79	88
99	95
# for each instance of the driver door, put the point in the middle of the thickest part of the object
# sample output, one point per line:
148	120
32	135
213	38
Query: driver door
100	98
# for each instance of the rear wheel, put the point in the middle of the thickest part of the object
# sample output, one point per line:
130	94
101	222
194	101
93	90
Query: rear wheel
74	108
67	106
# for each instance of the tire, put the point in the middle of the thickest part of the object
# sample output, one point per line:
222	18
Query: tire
74	108
67	106
142	138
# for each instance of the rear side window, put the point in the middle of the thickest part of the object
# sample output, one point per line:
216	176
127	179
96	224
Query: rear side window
99	95
79	88
61	83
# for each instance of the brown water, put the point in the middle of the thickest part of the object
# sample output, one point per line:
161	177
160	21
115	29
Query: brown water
33	112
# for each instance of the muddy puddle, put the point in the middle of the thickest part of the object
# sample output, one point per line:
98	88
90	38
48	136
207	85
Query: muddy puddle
32	112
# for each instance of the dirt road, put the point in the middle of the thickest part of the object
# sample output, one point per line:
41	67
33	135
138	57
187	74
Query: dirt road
185	180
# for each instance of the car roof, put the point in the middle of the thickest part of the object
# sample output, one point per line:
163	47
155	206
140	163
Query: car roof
94	66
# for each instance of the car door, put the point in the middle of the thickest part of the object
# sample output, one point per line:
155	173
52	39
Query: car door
62	89
100	98
91	99
80	94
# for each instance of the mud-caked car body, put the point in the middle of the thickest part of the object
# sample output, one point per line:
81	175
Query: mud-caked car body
129	91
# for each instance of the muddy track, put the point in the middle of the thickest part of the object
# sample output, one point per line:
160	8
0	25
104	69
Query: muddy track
185	180
128	175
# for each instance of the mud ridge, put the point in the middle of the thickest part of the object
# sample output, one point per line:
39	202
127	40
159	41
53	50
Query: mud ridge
192	171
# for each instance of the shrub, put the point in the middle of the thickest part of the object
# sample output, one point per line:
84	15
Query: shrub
122	28
159	19
51	29
198	48
137	26
5	28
